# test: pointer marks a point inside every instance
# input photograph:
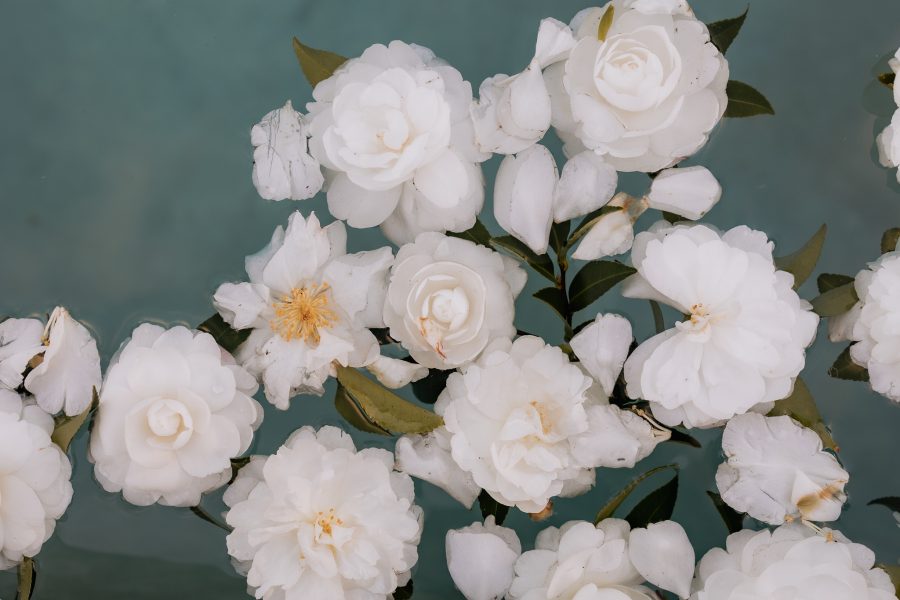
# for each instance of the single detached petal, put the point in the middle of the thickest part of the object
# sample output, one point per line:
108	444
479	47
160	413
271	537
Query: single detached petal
480	559
554	42
663	554
395	373
613	234
427	457
282	166
689	192
587	182
523	196
602	348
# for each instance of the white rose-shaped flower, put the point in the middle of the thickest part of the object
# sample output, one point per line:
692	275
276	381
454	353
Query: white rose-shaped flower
319	520
393	129
580	561
869	324
69	368
776	470
790	562
20	341
309	304
645	96
34	479
888	141
480	559
282	166
448	298
744	339
174	410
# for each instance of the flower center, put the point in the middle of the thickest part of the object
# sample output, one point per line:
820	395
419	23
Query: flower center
302	312
325	521
543	417
170	422
444	311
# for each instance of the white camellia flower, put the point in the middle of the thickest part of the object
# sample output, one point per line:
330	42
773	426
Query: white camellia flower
448	298
888	141
174	410
870	324
790	562
69	368
20	341
282	166
34	479
744	339
393	129
480	559
776	471
427	457
580	561
318	520
309	303
647	94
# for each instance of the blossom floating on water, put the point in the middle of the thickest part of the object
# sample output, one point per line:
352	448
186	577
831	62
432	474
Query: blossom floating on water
888	141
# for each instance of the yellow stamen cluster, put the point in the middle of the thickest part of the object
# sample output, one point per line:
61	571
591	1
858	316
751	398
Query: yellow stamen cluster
302	312
327	520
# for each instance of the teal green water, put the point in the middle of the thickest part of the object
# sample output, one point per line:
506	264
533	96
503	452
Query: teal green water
126	196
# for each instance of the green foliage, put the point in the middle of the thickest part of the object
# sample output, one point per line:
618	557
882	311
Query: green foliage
227	337
801	263
722	33
595	279
606	22
609	509
317	65
801	406
489	507
27	578
478	233
657	506
845	368
734	521
65	428
559	234
554	298
889	240
430	387
541	263
829	281
746	101
835	301
891	502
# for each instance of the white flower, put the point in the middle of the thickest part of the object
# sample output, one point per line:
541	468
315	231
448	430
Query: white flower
309	304
523	196
34	479
888	141
448	298
743	341
869	324
393	129
282	166
648	94
480	559
174	410
319	520
776	470
580	561
428	457
790	562
20	341
688	191
69	369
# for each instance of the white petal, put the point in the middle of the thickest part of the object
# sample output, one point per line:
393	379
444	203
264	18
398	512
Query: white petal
395	373
480	559
358	206
612	234
554	41
20	341
359	283
689	192
587	182
663	554
428	458
523	196
240	304
602	348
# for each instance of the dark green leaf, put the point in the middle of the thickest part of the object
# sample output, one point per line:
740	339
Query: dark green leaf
236	465
606	22
801	406
489	506
682	437
430	387
317	65
383	335
589	221
835	301
887	79
201	512
845	368
889	240
801	263
723	32
659	322
746	101
403	593
554	299
892	502
733	520
381	409
478	234
222	332
65	428
595	279
656	507
27	578
829	281
559	235
540	263
672	217
609	509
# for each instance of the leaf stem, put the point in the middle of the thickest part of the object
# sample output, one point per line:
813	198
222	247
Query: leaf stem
203	514
658	320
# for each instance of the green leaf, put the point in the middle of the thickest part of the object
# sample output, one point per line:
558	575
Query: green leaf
540	263
801	406
892	502
382	409
845	368
673	218
722	33
201	512
657	506
595	279
682	437
489	507
559	235
606	22
734	521
889	240
745	101
236	465
227	337
589	221
27	578
65	428
553	298
317	65
835	301
829	281
353	414
893	572
801	263
403	593
478	234
887	79
609	509
430	387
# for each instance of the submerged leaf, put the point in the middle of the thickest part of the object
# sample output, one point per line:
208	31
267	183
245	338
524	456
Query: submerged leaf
829	281
226	336
609	509
657	506
318	65
66	428
734	521
835	301
845	368
801	263
430	387
891	502
541	263
478	233
722	33
801	406
889	240
595	279
489	507
745	101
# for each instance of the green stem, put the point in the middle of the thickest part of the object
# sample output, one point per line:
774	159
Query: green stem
658	319
201	512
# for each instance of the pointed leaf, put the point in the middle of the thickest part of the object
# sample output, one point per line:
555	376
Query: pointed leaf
801	406
66	428
27	578
845	368
892	502
353	414
835	301
430	387
317	65
478	233
540	263
227	337
236	465
829	281
889	240
801	263
381	409
554	299
489	507
657	506
722	33
616	501
734	521
682	437
606	22
595	279
559	235
746	101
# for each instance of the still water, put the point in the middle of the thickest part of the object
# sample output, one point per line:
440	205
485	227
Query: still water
126	196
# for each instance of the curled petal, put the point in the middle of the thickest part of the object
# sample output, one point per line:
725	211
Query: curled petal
663	554
523	196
